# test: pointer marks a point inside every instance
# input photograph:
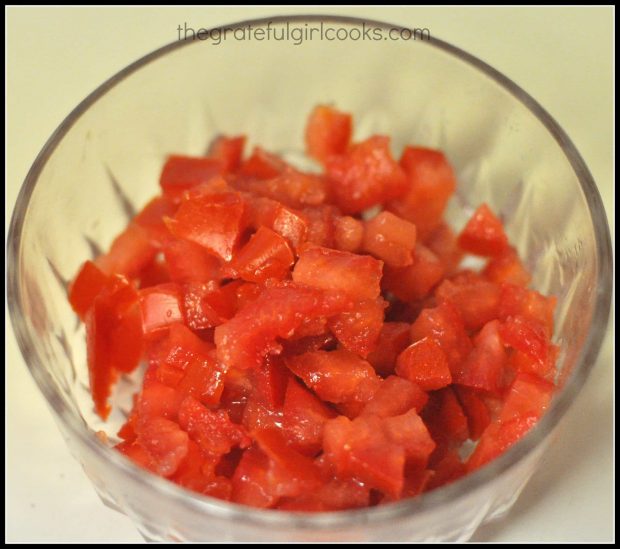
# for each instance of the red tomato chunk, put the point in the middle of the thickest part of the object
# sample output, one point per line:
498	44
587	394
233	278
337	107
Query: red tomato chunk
301	352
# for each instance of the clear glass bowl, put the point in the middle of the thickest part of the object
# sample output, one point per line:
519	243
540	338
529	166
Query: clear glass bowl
104	159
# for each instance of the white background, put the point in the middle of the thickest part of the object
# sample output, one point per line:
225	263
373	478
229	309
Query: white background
561	56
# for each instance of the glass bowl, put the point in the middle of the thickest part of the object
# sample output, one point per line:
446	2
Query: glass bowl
103	162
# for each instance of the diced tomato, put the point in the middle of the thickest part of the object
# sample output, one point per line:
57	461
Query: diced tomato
348	233
161	306
215	221
272	380
507	267
85	288
181	173
415	281
444	417
442	241
252	480
523	362
336	376
355	275
262	165
395	396
304	418
130	252
409	431
165	443
359	330
190	262
527	336
361	449
321	225
430	183
448	469
266	255
484	366
212	430
328	132
484	234
425	364
151	219
335	495
393	339
154	273
444	324
244	341
229	151
113	337
476	410
517	301
365	175
390	238
529	395
476	299
203	379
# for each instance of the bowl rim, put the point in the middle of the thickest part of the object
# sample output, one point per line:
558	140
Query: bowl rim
421	504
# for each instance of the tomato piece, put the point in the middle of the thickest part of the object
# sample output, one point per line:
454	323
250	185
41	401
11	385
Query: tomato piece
129	253
88	283
113	338
445	325
151	219
529	395
359	330
425	364
348	233
334	495
365	175
476	410
336	376
442	241
523	362
165	443
190	262
517	301
361	450
483	234
390	238
181	173
328	132
304	416
448	469
409	431
161	306
415	281
266	255
215	221
393	339
430	183
212	430
395	396
321	225
507	267
244	340
476	299
445	419
271	381
484	366
228	151
262	165
527	336
355	275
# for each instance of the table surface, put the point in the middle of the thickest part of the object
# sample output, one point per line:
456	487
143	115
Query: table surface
561	56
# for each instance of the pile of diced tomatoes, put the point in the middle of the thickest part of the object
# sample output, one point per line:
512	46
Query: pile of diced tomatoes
303	353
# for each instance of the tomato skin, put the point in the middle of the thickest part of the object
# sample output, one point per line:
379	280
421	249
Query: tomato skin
129	253
215	221
161	306
181	173
484	234
328	132
86	286
365	175
430	183
262	165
